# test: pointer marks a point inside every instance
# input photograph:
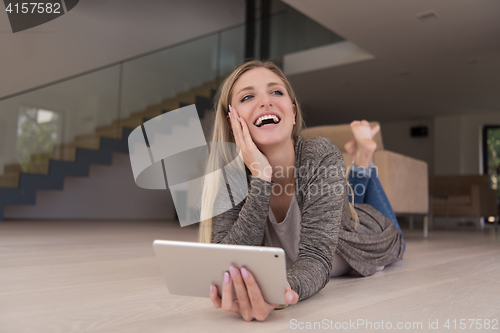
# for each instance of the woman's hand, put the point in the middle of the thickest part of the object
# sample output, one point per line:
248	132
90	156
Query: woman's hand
250	303
256	162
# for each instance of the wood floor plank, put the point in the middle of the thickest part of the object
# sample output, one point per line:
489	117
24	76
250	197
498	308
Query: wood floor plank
102	276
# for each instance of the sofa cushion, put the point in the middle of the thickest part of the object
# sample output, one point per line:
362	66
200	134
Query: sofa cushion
339	134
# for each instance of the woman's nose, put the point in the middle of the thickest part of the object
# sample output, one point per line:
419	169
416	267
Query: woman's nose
266	101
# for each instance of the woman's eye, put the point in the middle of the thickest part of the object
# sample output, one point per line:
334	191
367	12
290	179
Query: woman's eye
245	98
278	91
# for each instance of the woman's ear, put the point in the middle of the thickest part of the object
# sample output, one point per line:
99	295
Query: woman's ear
294	113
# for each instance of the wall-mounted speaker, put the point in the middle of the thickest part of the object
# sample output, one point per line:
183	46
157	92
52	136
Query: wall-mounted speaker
418	132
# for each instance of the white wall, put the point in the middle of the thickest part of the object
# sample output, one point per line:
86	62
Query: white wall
396	137
108	193
461	151
452	147
448	145
91	100
94	34
97	33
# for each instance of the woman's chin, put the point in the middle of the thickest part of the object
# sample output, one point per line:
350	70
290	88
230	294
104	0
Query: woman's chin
269	139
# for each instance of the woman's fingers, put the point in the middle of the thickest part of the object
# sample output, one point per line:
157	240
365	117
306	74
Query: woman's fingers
214	296
227	295
249	304
236	126
239	137
291	297
244	305
260	308
254	159
245	130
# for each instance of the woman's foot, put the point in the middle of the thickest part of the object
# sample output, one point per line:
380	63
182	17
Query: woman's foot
350	148
361	149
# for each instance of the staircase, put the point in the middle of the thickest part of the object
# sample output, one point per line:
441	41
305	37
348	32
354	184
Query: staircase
46	171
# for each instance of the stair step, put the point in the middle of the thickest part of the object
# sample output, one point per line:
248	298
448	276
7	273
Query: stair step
9	180
156	110
40	167
205	90
19	183
110	131
187	97
12	168
41	157
34	182
39	163
65	152
203	105
152	111
130	122
89	141
16	196
170	105
65	145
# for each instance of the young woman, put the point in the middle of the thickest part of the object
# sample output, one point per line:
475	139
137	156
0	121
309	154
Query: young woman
297	195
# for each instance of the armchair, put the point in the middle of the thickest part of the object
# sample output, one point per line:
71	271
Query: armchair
462	195
404	179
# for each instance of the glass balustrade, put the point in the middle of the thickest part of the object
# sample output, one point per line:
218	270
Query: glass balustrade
51	122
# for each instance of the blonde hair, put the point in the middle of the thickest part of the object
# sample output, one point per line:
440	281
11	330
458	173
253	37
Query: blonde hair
221	133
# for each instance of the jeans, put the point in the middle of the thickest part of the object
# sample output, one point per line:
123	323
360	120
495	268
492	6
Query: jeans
368	190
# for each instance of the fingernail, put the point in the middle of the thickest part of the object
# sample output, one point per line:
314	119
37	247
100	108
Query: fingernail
229	113
244	273
231	110
226	277
290	298
233	271
211	288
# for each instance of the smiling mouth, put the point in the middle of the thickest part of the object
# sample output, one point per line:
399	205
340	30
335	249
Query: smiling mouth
267	120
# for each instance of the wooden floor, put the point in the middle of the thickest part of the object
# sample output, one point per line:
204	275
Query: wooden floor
81	276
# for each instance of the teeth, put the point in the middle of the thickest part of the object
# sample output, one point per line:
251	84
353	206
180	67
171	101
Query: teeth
273	117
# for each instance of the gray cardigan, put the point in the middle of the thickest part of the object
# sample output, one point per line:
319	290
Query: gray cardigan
326	227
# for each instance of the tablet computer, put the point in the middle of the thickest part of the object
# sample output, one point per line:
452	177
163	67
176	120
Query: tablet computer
190	268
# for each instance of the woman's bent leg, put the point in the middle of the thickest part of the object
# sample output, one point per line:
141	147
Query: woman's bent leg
370	191
363	176
358	179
